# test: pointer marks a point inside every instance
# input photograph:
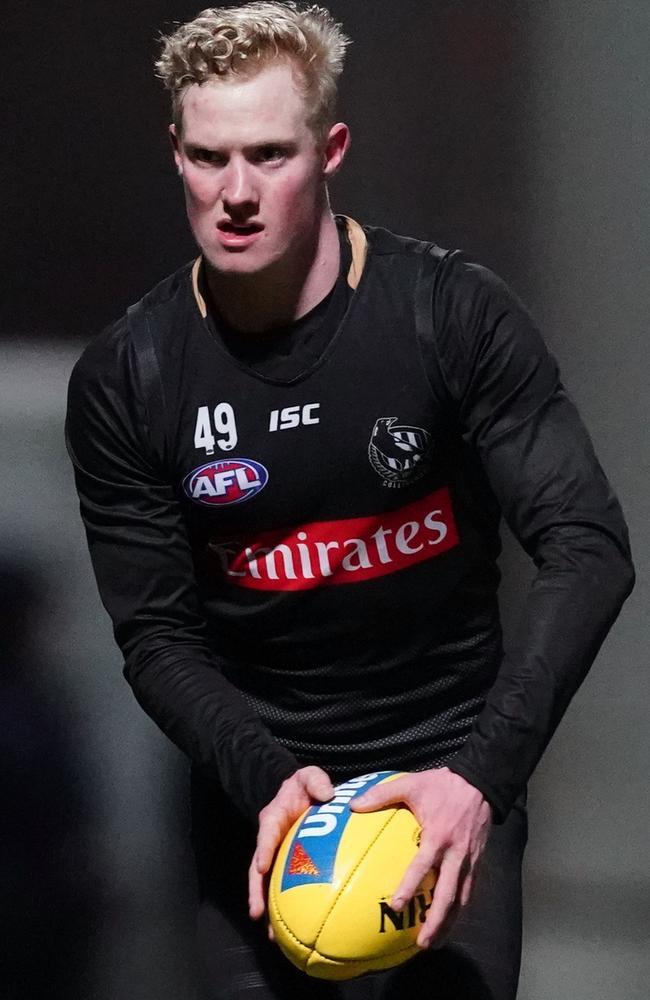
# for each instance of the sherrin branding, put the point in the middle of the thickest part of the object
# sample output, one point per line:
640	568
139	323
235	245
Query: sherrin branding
311	857
327	553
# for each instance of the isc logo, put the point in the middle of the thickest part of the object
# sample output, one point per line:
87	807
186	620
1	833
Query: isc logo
293	416
220	484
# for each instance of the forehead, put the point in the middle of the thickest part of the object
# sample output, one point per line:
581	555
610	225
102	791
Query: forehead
245	109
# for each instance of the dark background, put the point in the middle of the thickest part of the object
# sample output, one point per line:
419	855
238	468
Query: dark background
435	94
515	130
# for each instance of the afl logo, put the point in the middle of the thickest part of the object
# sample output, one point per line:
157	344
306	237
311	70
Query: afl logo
397	452
220	484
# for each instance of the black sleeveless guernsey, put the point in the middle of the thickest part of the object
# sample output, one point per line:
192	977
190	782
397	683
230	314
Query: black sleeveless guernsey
302	569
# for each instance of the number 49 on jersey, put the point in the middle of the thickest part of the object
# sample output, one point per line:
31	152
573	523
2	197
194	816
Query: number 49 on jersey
218	427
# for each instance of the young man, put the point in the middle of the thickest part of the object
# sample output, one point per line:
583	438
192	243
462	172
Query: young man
292	458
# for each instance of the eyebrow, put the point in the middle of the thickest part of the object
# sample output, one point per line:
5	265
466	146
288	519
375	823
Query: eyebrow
250	147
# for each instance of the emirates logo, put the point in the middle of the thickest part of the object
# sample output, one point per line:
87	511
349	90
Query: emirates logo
348	551
397	452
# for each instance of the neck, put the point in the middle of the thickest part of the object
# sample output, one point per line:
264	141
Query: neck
286	290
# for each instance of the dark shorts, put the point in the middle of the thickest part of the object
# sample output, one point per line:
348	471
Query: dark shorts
479	962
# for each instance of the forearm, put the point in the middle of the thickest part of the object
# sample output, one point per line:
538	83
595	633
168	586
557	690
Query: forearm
572	603
182	689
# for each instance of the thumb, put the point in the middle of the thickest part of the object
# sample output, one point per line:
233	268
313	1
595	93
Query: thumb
318	785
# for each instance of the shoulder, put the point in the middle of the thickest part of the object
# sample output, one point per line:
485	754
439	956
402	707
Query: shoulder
453	272
453	277
172	293
109	391
384	243
108	357
464	284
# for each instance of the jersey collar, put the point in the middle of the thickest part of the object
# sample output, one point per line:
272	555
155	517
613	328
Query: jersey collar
358	244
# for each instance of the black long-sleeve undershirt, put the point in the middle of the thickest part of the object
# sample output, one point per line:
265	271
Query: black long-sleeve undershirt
514	415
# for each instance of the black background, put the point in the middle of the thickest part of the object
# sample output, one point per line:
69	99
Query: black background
433	92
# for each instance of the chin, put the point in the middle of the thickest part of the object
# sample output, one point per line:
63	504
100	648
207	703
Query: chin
253	260
234	263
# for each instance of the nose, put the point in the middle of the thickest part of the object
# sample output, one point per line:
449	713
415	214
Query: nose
239	192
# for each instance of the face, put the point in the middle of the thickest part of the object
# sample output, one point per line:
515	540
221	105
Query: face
253	174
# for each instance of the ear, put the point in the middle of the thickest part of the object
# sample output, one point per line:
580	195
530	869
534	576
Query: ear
337	144
176	147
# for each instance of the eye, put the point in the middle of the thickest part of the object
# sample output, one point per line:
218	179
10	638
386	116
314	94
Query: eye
209	156
269	154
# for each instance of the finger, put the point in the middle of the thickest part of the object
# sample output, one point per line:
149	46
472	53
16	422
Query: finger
390	793
442	937
466	879
256	902
270	932
466	890
269	836
427	858
445	895
317	784
472	875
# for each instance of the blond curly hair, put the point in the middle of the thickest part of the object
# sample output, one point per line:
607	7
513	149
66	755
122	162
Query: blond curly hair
225	41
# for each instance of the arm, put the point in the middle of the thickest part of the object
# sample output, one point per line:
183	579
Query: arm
144	570
541	466
517	418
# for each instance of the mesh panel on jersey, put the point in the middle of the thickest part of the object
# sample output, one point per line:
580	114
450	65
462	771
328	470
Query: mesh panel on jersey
413	717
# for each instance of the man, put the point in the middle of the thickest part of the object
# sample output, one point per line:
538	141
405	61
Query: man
292	458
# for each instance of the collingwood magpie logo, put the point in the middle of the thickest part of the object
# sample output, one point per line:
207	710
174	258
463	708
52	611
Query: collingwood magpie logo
398	453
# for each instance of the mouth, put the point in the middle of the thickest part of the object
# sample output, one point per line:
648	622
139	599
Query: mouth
245	228
238	235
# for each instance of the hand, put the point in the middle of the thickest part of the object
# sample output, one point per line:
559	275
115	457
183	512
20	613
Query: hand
455	821
296	794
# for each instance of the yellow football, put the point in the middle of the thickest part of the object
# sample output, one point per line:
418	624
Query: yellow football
332	882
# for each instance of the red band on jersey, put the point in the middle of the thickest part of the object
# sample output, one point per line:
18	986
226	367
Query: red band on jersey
327	553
